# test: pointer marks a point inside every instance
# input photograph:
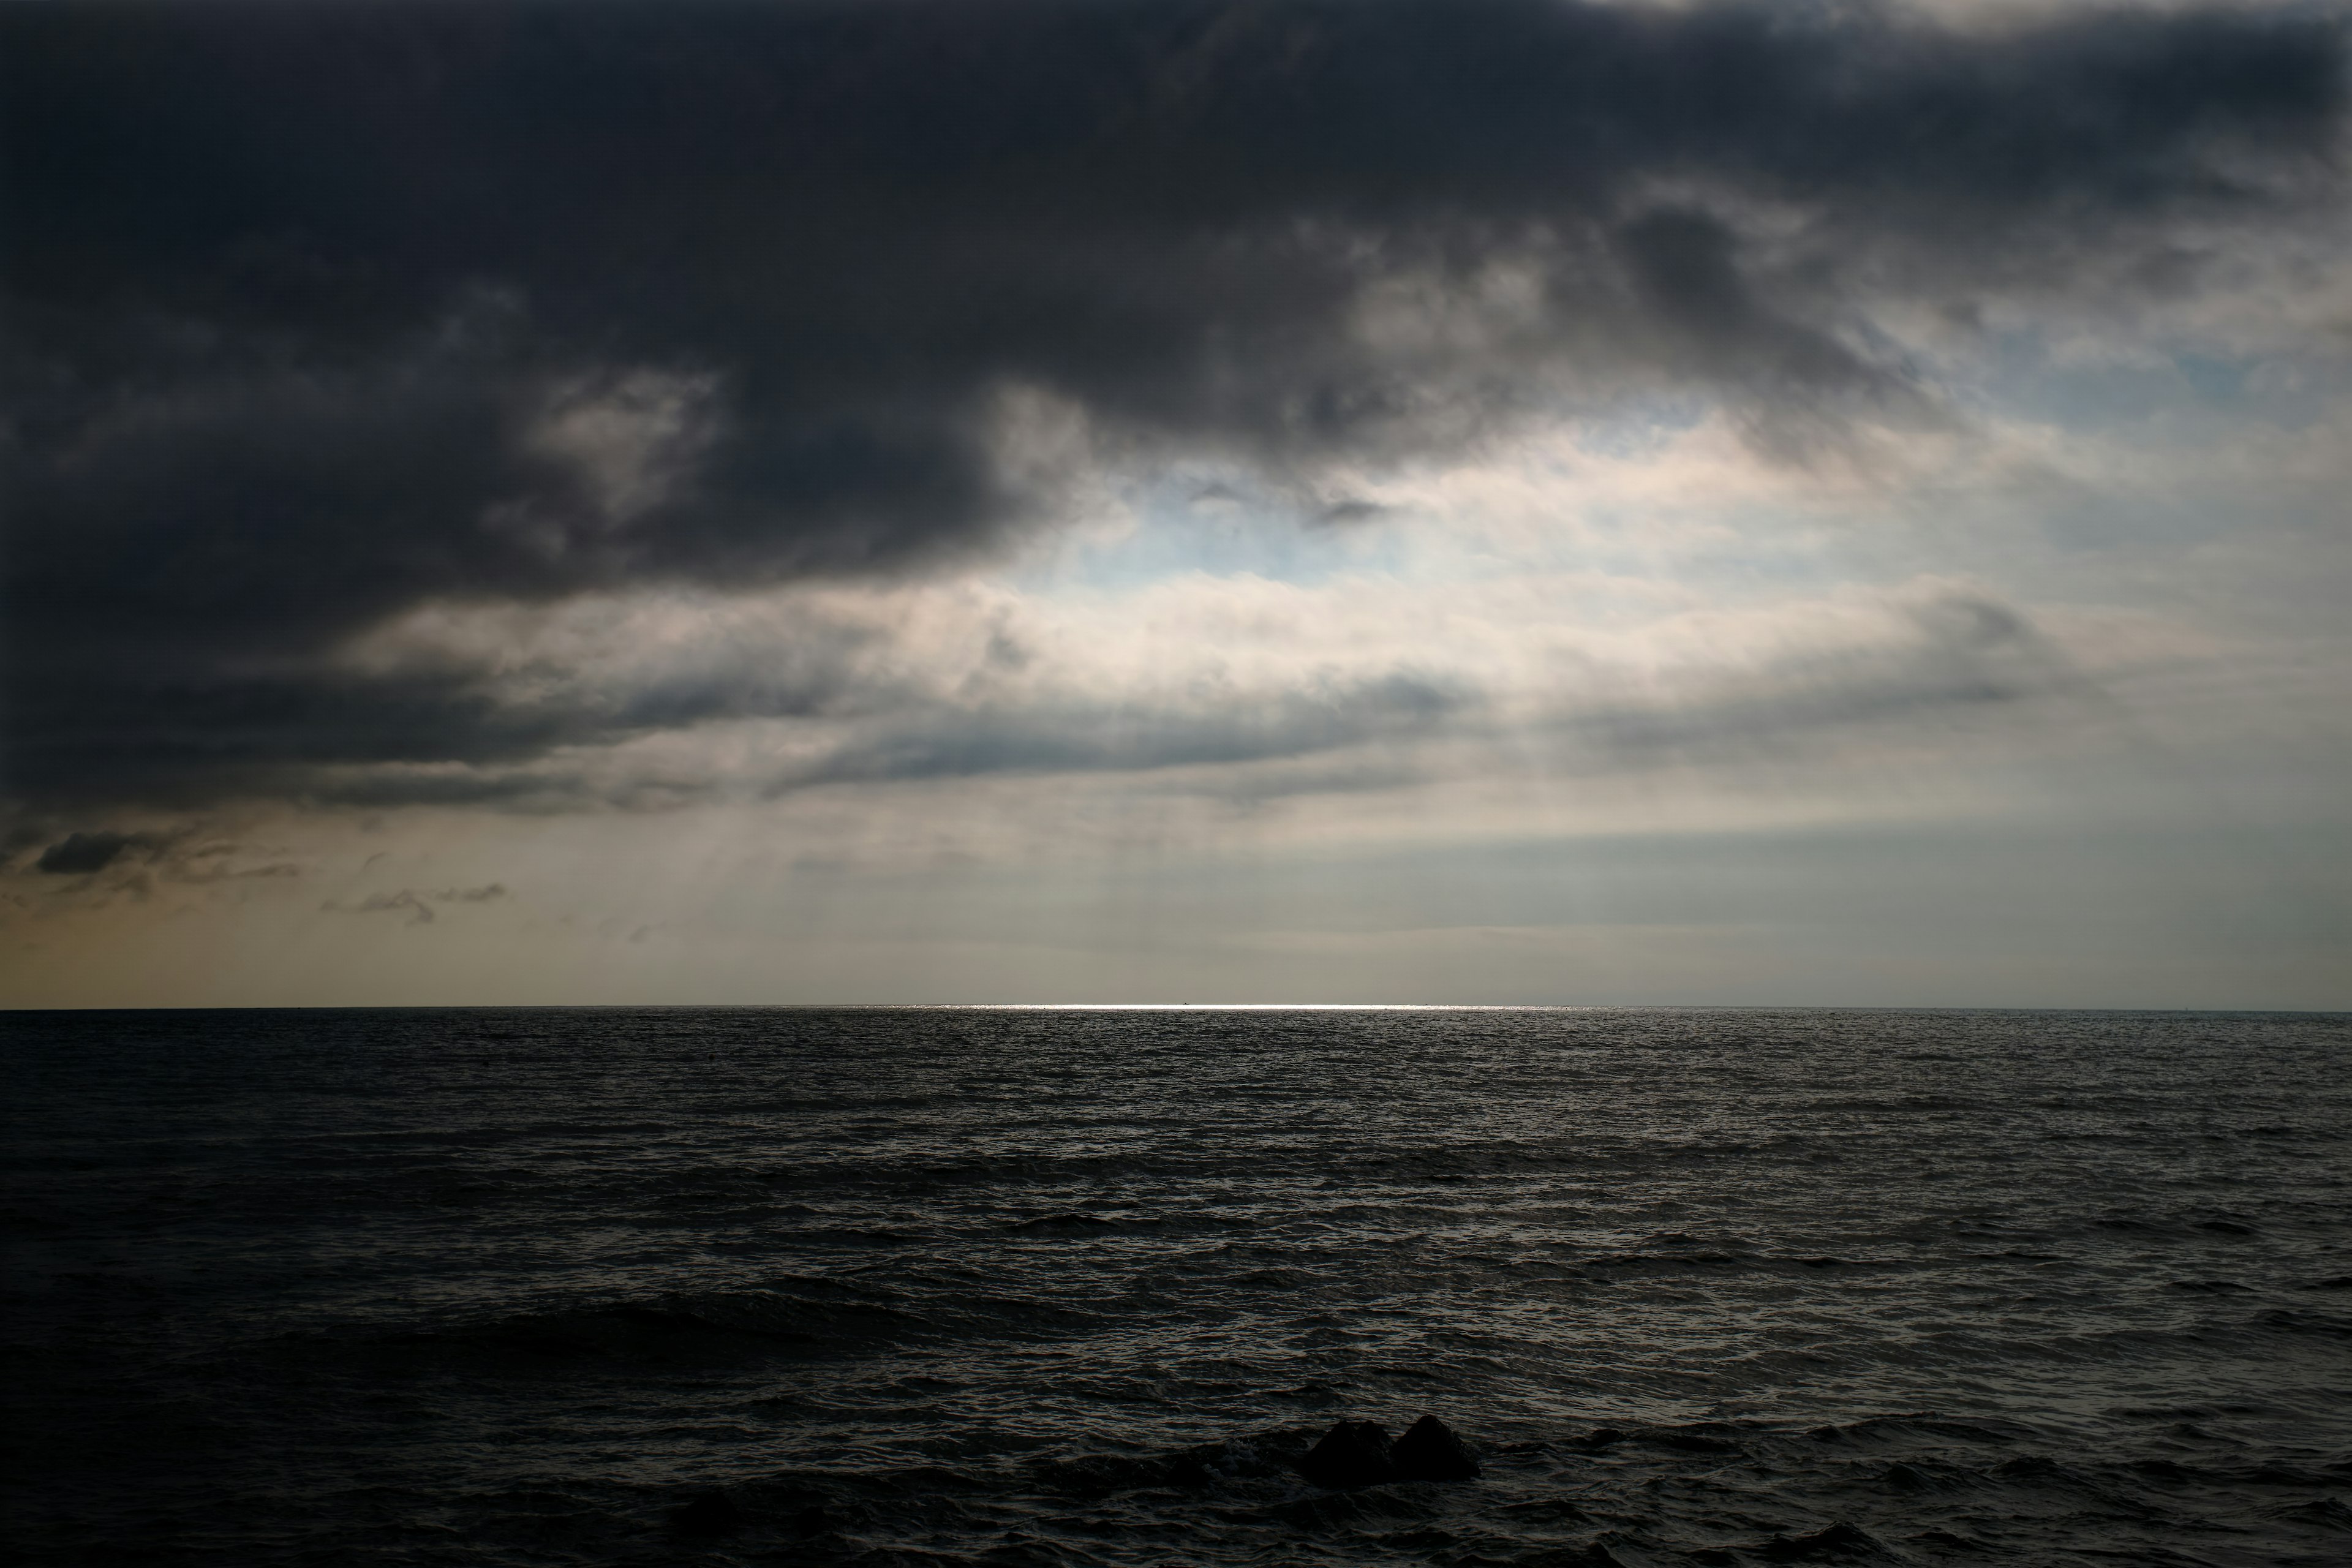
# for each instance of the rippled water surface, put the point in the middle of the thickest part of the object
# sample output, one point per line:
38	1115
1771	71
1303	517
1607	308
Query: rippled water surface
1039	1286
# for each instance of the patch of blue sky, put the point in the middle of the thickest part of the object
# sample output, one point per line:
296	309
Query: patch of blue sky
2169	390
1225	525
1642	426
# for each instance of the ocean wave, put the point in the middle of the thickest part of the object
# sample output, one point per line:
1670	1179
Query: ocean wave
1078	1289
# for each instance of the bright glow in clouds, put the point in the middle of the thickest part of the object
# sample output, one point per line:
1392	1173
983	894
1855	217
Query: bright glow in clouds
1968	630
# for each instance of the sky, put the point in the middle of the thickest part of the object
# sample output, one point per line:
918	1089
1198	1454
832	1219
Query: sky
1496	501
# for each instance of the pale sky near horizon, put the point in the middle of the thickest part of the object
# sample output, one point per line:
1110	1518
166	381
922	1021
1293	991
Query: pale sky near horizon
1496	501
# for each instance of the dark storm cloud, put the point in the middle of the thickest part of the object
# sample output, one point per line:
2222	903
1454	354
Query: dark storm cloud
138	859
183	731
318	313
78	854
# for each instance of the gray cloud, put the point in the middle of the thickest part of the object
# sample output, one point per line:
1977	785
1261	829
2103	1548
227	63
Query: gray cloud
320	313
1334	716
1953	660
1792	377
1967	657
898	736
417	904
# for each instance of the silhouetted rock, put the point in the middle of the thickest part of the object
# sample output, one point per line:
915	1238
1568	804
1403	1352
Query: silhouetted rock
1352	1454
713	1513
1190	1471
1429	1451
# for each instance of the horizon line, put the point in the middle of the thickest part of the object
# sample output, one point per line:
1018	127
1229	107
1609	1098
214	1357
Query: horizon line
7	1008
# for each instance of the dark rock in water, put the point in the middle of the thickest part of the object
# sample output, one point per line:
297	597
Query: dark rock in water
1065	1223
1429	1451
1099	1475
1831	1540
1352	1454
1190	1471
713	1513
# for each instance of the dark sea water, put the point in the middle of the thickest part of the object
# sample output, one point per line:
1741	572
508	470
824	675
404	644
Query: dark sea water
1034	1286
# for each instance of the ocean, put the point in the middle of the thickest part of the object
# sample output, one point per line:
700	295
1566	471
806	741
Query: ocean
946	1286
